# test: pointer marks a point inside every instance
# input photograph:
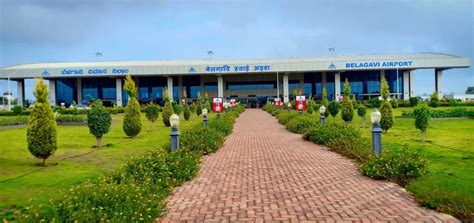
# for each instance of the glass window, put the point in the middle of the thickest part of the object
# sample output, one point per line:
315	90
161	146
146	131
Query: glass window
66	91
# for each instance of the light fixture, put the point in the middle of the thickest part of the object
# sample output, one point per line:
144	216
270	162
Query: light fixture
375	117
322	110
204	112
174	121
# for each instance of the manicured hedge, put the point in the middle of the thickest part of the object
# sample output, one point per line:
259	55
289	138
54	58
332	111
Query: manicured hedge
71	118
450	113
137	191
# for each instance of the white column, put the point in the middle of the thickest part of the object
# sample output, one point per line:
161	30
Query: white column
21	92
323	77
79	91
285	88
170	87
203	88
278	86
406	85
412	83
337	85
220	86
439	82
52	92
118	91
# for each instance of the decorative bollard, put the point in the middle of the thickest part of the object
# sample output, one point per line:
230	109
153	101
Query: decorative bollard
218	112
204	115
322	112
174	121
300	109
289	106
376	132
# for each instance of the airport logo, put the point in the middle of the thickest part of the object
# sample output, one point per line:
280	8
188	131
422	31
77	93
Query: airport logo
45	73
192	70
332	66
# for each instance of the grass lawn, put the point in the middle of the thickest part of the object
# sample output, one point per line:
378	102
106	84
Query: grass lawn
449	149
75	160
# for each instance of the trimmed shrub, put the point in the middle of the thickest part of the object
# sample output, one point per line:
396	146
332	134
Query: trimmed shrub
422	118
394	103
414	101
347	106
202	140
285	117
374	102
70	118
301	123
386	122
152	112
167	109
434	99
187	113
99	121
177	108
132	122
397	165
41	132
342	139
192	108
361	111
334	108
17	110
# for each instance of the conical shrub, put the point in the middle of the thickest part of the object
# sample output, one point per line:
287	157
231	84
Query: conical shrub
132	122
41	132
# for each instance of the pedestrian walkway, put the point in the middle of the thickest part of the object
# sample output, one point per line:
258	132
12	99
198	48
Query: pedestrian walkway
266	173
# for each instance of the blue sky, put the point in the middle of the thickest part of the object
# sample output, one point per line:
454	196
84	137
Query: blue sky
73	30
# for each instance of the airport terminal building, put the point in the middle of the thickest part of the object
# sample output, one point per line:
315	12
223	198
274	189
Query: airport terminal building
84	81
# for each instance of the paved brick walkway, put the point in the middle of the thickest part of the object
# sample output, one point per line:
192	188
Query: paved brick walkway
265	173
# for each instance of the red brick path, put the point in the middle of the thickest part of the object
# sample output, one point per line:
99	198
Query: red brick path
266	173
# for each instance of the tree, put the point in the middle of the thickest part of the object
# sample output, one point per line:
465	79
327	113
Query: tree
325	101
361	111
41	132
99	121
386	121
310	106
422	118
152	112
198	104
167	109
434	100
347	107
132	122
207	103
470	90
333	108
414	101
187	113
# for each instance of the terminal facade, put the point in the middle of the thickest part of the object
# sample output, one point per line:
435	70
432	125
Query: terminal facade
84	81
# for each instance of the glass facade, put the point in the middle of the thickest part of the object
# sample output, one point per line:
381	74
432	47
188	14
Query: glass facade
395	82
366	84
151	89
313	85
102	88
192	85
66	91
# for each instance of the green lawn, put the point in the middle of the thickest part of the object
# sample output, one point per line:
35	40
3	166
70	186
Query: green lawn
76	159
449	147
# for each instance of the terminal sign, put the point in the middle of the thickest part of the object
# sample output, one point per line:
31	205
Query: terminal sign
300	103
217	105
378	64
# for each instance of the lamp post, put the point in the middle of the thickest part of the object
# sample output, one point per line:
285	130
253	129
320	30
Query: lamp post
376	132
9	94
218	111
204	115
226	106
300	108
289	106
174	121
322	112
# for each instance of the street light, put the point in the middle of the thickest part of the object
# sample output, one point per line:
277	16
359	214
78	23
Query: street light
376	132
300	108
322	112
9	94
204	115
210	53
174	121
289	106
226	106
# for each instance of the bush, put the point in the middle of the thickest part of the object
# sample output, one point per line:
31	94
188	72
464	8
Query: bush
340	138
17	110
41	132
361	111
285	117
374	102
434	99
438	194
198	109
132	122
192	108
386	122
397	165
394	103
152	112
310	106
301	123
177	108
422	119
99	121
18	120
71	118
414	101
347	106
223	124
187	113
202	140
334	108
